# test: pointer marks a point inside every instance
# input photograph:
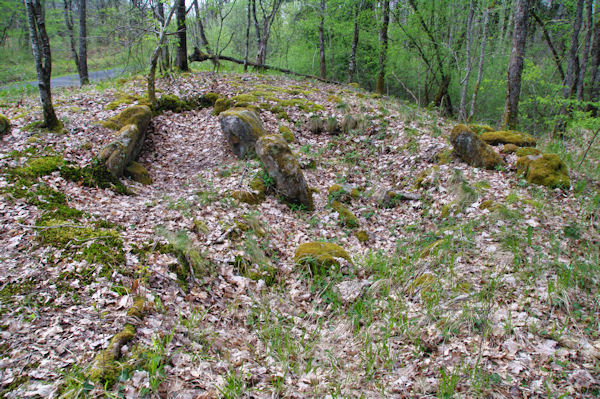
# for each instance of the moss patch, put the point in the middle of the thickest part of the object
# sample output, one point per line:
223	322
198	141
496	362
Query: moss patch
248	197
546	170
287	134
222	104
508	137
320	256
509	149
138	115
362	236
208	99
138	172
93	175
38	167
478	129
524	151
346	217
4	125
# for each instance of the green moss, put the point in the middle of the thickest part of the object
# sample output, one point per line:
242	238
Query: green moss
170	102
245	98
138	115
362	236
138	172
488	204
472	149
524	151
508	137
208	99
104	368
320	256
123	99
38	167
258	184
93	175
4	125
509	149
334	99
222	104
422	181
249	116
287	134
478	129
445	211
346	217
546	170
248	197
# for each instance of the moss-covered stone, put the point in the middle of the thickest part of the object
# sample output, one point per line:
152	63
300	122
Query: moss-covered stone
248	197
4	125
343	193
287	134
170	102
138	115
546	170
38	167
508	137
362	236
208	99
245	98
93	175
346	218
472	149
489	205
222	104
524	151
284	169
123	99
321	256
242	128
257	184
509	149
478	129
138	172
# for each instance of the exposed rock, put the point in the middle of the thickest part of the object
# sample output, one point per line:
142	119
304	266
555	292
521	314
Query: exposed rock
321	256
139	115
248	197
389	199
472	149
283	167
126	148
350	290
545	169
138	172
346	217
508	137
4	125
242	127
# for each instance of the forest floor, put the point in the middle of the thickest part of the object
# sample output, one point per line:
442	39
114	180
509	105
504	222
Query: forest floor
485	286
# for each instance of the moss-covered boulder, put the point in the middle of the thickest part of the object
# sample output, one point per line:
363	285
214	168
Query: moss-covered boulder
139	115
222	104
509	149
4	125
342	192
362	236
478	128
208	99
138	172
472	149
241	127
287	134
524	151
170	102
346	218
248	197
508	137
545	169
283	167
321	256
126	148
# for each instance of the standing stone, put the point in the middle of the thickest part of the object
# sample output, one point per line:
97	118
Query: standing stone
283	167
4	125
241	127
472	149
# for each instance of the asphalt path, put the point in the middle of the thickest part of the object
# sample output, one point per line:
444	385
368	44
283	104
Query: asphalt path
70	80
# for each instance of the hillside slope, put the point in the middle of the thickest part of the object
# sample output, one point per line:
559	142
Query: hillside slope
473	282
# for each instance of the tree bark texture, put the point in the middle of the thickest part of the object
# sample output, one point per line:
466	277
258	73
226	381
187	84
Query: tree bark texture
164	58
247	47
40	44
462	110
69	23
586	49
352	63
383	42
263	32
486	19
154	58
181	57
323	68
595	54
84	78
570	82
515	65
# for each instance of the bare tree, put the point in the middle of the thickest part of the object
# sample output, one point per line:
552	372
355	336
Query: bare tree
586	48
551	46
181	56
268	10
323	68
40	44
81	57
352	63
162	34
515	65
462	111
247	48
486	18
383	40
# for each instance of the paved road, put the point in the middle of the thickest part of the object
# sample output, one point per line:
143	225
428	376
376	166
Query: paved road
71	80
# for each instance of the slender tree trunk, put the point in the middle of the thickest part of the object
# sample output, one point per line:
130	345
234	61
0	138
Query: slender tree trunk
69	23
164	56
323	68
586	49
462	111
515	65
204	41
181	57
40	44
352	64
383	40
486	18
550	45
154	58
247	48
84	78
595	75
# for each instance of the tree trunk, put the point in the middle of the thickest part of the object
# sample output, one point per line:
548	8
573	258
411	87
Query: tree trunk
570	82
462	111
181	56
40	44
595	53
154	58
246	50
84	78
352	64
383	39
201	29
69	23
486	18
550	45
586	49
515	65
164	56
323	68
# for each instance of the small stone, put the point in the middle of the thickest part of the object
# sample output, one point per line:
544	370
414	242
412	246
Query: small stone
138	172
472	149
